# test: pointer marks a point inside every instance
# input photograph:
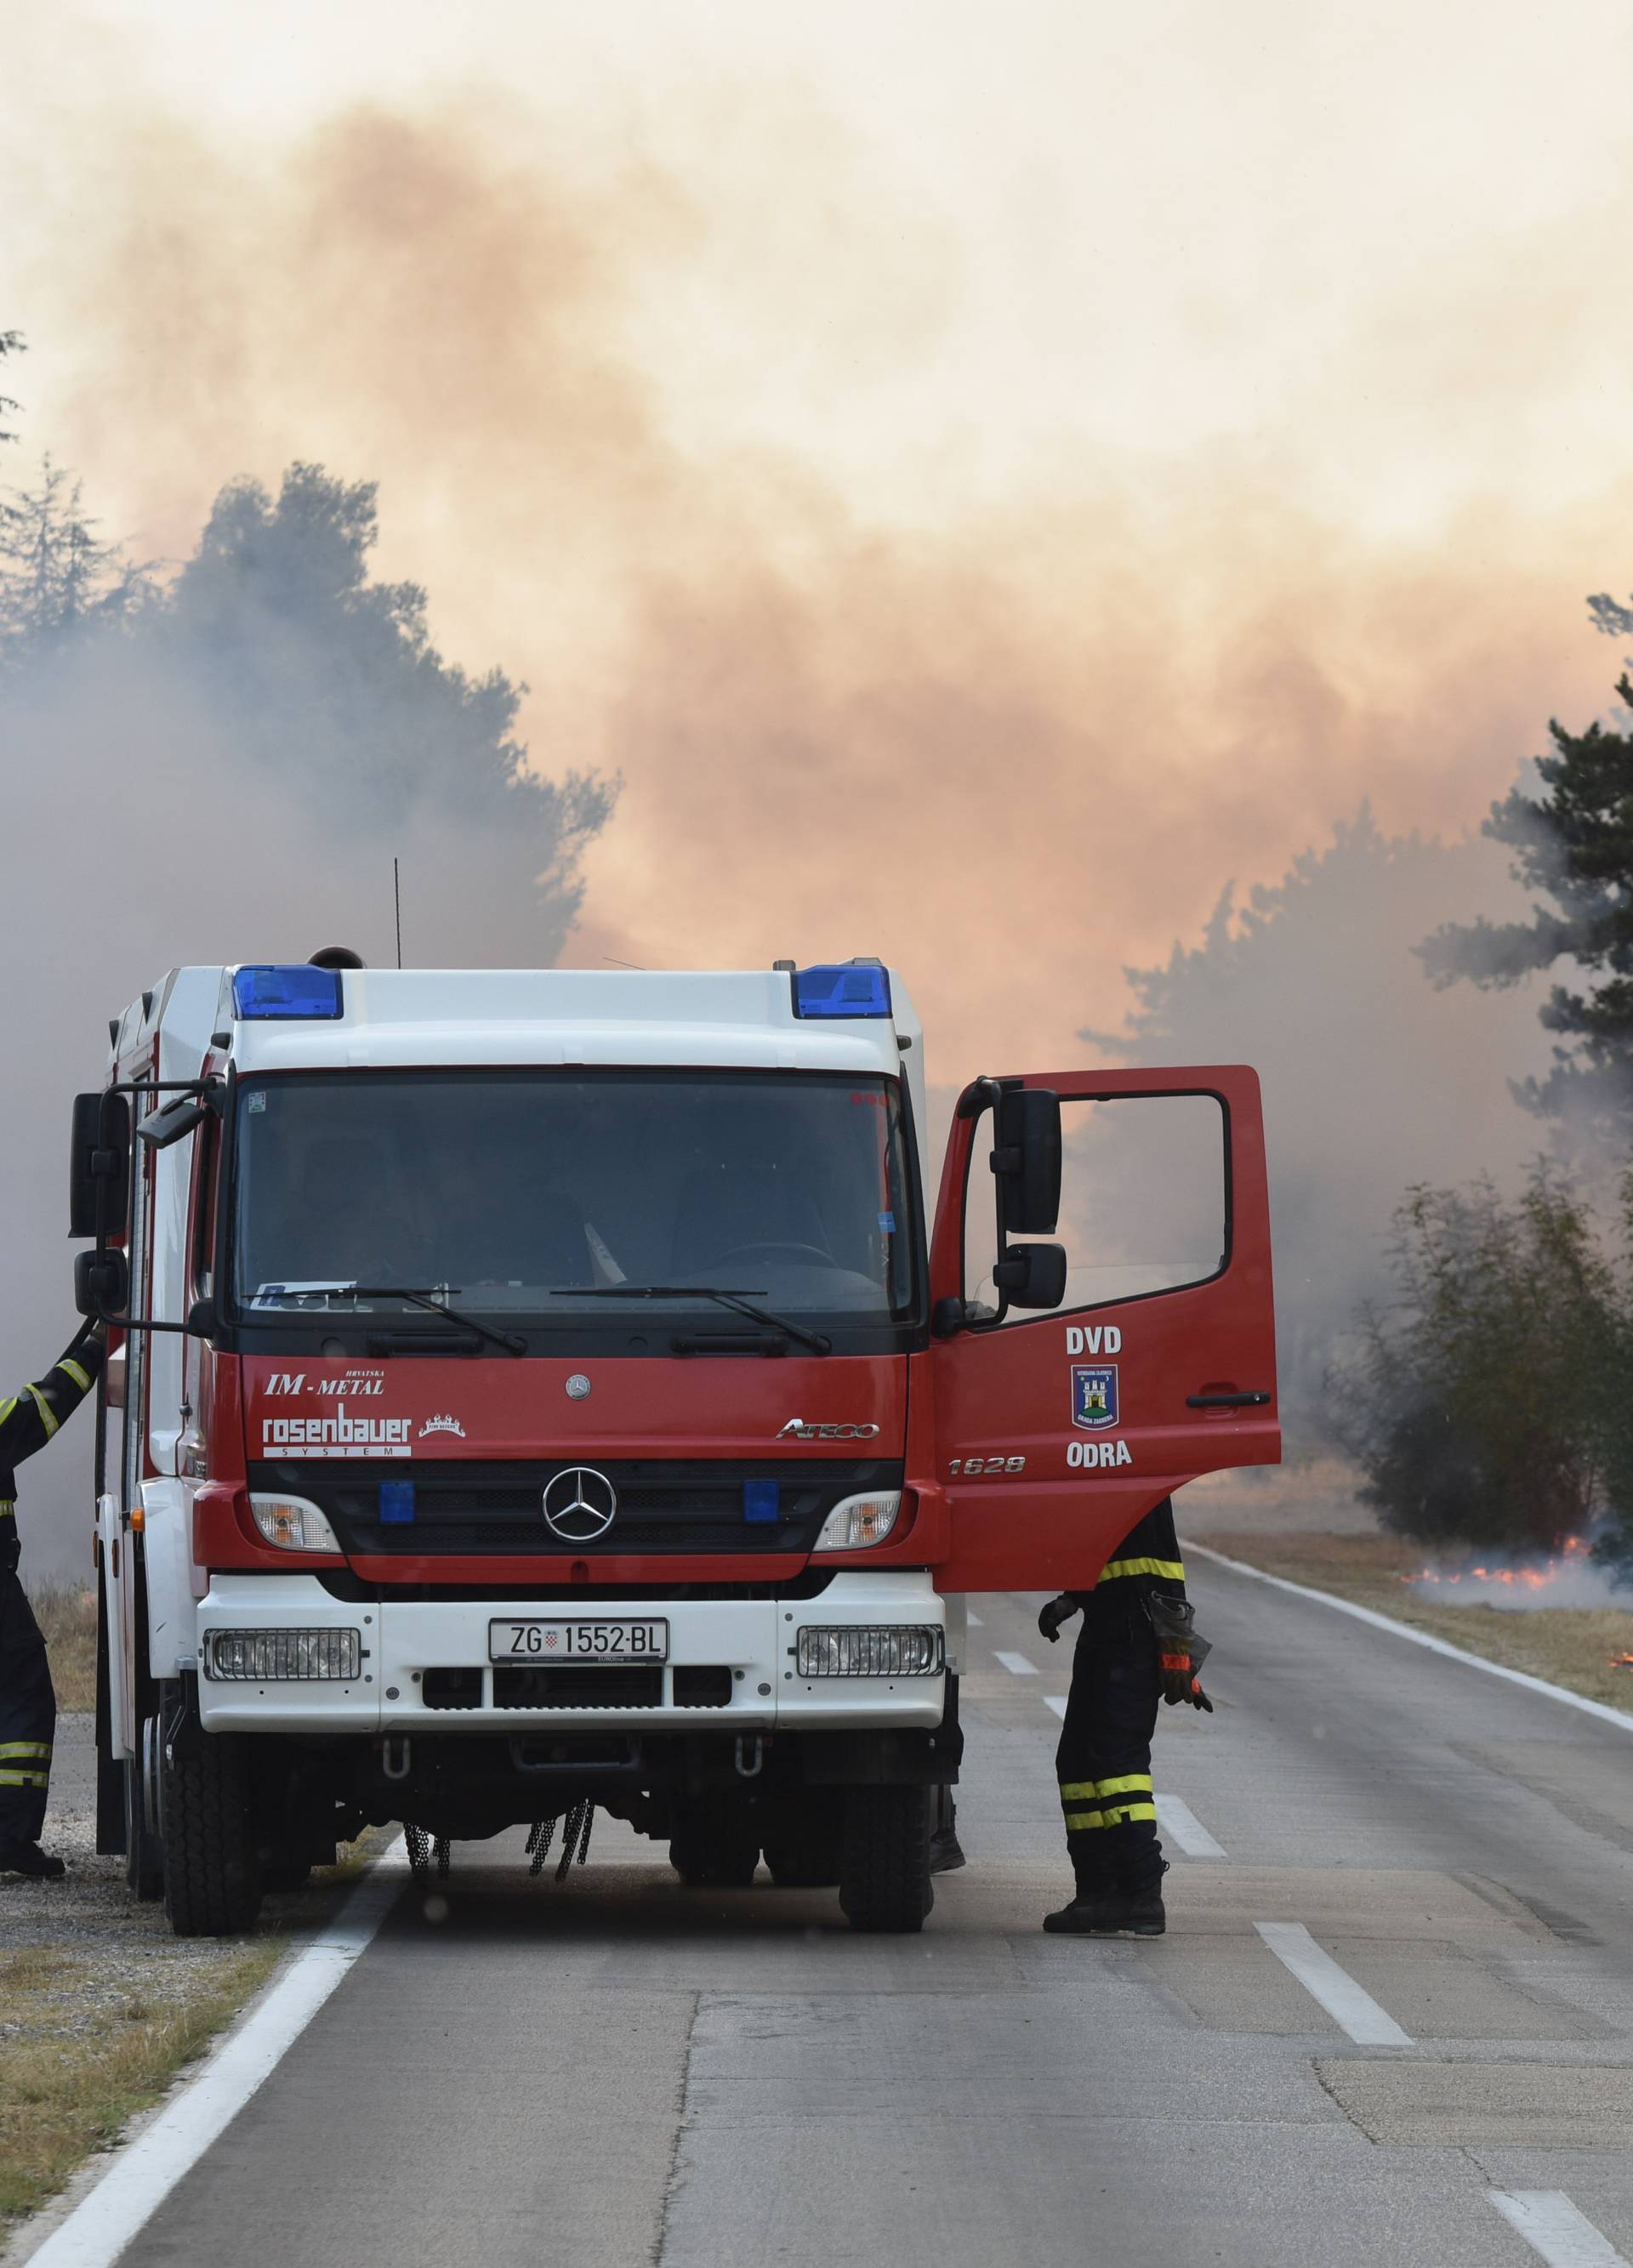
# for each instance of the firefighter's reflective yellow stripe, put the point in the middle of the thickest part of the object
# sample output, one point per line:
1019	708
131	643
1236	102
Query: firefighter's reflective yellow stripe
1172	1571
12	1750
24	1778
8	1508
47	1416
7	1407
81	1378
1114	1801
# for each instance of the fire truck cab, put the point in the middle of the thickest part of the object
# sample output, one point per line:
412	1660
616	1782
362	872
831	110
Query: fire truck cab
534	1390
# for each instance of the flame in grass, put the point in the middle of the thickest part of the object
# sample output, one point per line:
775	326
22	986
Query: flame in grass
1621	1661
1573	1552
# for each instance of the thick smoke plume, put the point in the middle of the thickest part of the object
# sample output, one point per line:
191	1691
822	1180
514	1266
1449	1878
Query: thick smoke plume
225	771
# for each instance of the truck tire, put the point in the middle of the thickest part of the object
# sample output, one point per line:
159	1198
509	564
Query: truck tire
884	1878
805	1841
212	1869
714	1844
144	1853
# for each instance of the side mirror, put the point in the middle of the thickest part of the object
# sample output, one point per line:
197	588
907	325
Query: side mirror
99	1165
101	1284
1027	1160
1032	1275
201	1319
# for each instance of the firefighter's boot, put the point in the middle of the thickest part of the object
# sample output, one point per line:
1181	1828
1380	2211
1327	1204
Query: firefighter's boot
1094	1887
946	1850
28	1858
1129	1914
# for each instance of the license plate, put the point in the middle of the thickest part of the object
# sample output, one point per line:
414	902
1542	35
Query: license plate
587	1644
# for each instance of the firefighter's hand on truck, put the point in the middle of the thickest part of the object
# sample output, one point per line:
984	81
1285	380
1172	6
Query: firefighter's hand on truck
1058	1611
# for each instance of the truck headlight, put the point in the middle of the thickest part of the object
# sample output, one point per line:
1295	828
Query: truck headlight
293	1524
859	1521
870	1650
264	1655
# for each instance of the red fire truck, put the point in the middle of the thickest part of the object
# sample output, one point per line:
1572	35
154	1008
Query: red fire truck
534	1390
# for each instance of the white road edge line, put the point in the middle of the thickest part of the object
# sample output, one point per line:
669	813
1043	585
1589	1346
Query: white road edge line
144	2173
1182	1826
1554	2230
1016	1664
1600	1709
1353	2010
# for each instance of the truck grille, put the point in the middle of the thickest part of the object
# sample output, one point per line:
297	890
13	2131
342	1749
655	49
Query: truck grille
679	1506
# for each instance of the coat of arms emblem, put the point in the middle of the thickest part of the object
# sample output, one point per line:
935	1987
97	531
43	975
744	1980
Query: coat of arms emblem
1094	1394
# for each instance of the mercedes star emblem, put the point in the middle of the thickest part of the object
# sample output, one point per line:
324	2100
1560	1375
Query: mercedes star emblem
579	1504
577	1387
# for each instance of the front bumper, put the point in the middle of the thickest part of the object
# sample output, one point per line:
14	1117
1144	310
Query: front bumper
757	1639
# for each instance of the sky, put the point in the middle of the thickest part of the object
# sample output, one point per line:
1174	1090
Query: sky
985	478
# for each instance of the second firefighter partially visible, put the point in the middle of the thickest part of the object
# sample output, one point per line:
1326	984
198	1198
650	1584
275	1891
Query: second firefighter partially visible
1137	1646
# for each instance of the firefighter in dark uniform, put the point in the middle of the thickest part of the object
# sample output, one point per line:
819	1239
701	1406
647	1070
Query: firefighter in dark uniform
27	1704
1137	1646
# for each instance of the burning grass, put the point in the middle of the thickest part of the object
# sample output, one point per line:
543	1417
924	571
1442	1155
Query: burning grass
1584	1648
66	1612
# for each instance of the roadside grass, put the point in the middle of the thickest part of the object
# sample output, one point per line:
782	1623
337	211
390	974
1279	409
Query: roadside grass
73	2068
66	1612
1573	1646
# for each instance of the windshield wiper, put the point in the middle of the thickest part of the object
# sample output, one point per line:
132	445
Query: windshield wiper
735	1299
508	1340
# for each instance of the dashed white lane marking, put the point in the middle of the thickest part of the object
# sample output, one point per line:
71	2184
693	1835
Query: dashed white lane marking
1602	1710
1057	1702
1553	2228
1182	1826
144	2173
1017	1665
1356	2011
974	1621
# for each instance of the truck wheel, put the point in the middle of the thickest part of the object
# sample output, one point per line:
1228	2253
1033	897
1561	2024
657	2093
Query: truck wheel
144	1853
212	1869
804	1846
714	1845
884	1879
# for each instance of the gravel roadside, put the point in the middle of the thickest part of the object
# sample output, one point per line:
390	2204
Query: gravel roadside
100	2005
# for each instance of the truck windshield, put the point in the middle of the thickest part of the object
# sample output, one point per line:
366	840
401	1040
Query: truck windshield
505	1191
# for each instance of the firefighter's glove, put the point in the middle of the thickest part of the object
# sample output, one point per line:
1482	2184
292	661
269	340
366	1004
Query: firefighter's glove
1180	1650
1057	1612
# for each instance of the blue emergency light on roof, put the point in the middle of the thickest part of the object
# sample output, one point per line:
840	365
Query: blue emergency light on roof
295	991
846	989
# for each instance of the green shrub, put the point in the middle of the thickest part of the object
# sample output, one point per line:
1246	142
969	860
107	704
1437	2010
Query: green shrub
1489	1405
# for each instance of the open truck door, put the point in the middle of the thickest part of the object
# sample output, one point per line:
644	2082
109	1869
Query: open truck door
1102	1315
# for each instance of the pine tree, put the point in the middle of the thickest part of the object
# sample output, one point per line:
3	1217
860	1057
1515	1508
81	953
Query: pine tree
1572	848
56	574
10	344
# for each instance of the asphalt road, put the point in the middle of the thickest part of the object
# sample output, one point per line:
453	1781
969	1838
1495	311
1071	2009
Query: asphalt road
620	2070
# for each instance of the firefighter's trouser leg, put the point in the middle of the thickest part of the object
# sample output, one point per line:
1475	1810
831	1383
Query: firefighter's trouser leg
27	1717
1103	1760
